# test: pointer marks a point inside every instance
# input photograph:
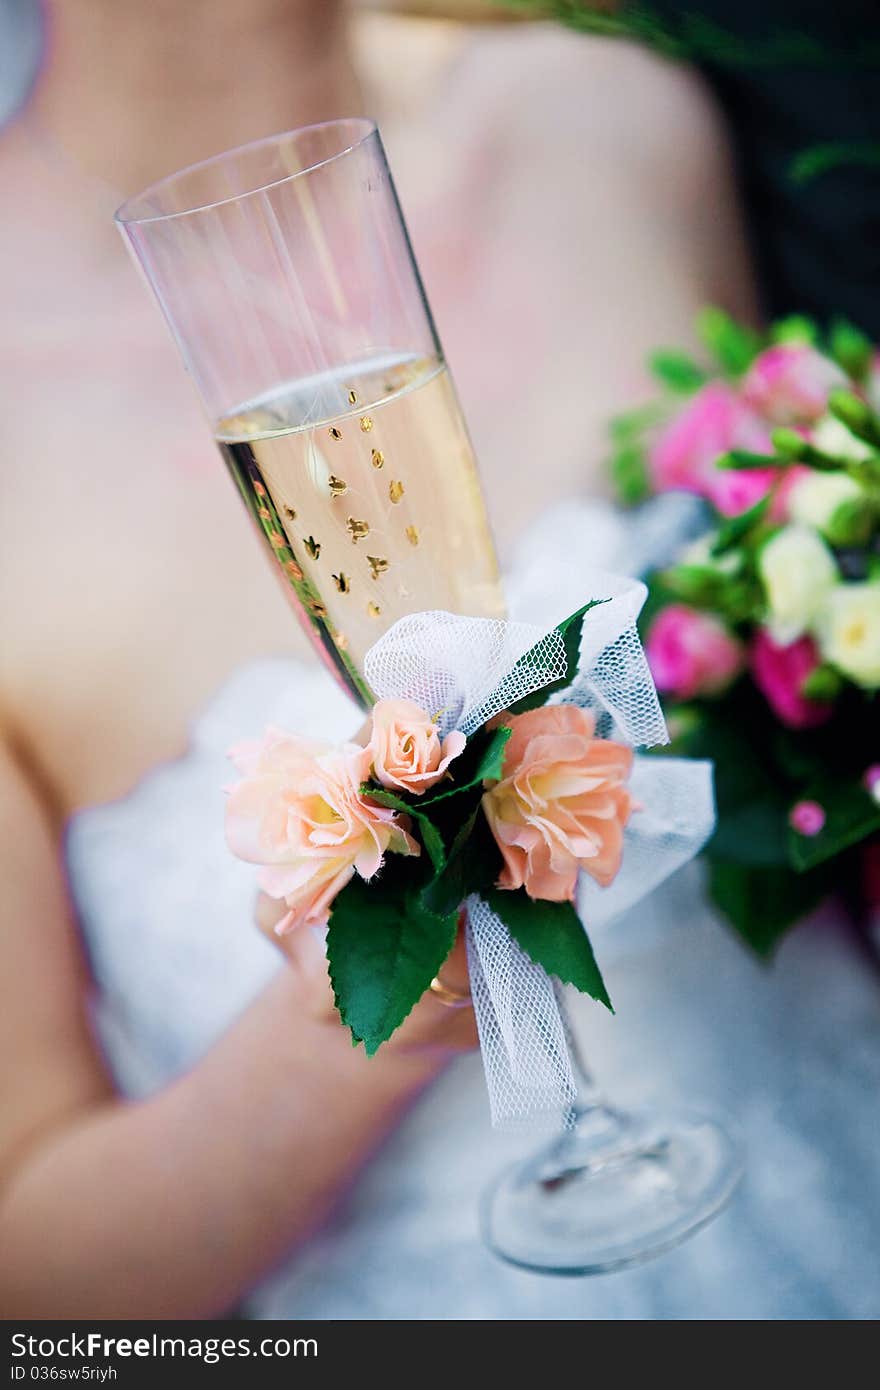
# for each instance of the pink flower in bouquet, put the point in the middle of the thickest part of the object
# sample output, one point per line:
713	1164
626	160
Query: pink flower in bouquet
405	747
685	455
691	653
779	673
561	805
807	817
298	811
789	383
871	781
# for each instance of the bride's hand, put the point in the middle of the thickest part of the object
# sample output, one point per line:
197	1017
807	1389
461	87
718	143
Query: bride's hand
433	1026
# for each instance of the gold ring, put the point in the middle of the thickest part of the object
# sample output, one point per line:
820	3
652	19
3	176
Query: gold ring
447	996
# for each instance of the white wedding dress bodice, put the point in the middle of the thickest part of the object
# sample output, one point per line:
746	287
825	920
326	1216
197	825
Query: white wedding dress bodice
792	1053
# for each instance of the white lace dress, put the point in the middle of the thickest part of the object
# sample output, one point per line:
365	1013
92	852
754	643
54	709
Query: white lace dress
791	1052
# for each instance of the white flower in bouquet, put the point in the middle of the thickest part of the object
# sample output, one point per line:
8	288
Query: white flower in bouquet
829	502
831	436
798	572
849	631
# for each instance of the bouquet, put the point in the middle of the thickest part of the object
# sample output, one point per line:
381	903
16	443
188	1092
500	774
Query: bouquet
489	787
763	635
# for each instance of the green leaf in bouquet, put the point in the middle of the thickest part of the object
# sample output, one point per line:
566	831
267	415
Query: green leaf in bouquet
752	798
851	349
629	473
554	937
631	425
735	596
384	947
794	448
856	414
851	815
473	866
735	529
482	761
734	345
763	902
740	460
823	684
676	370
430	835
796	328
570	631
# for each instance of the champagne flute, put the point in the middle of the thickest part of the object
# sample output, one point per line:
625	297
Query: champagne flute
613	1188
285	273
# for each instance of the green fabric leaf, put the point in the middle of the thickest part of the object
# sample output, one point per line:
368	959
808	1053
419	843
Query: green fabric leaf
734	345
762	903
430	835
482	760
851	814
554	937
384	948
473	866
570	631
676	370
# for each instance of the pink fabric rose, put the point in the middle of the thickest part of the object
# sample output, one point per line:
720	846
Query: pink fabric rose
405	748
779	673
685	455
299	813
691	653
789	383
561	805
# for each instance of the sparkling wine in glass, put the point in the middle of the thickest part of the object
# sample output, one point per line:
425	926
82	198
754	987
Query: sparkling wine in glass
285	273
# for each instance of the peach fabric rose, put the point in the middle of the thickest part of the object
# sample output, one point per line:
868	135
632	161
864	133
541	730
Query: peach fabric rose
406	753
299	813
561	805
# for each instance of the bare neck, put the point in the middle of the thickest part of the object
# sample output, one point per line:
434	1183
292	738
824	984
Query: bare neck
132	91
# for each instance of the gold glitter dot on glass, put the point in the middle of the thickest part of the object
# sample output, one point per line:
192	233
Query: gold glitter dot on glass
377	565
357	529
293	569
264	513
366	423
312	546
277	540
395	489
316	608
341	641
342	582
378	458
374	610
334	432
352	397
412	535
289	512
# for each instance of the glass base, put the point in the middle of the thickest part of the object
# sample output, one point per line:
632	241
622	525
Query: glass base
611	1191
